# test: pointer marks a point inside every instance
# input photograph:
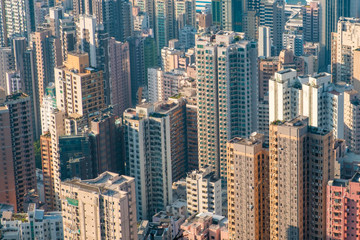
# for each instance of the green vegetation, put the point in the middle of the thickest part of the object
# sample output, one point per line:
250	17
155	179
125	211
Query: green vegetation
37	152
276	122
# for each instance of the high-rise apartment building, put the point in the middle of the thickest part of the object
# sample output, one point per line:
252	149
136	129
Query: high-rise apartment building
344	42
93	39
79	87
105	141
7	173
248	188
283	99
48	56
238	16
103	207
272	15
143	55
227	95
164	22
75	157
50	159
120	76
17	19
162	85
301	163
116	17
155	136
312	96
356	71
185	15
265	43
330	12
18	160
82	7
203	192
311	22
267	68
7	61
25	64
294	42
342	218
48	106
352	120
46	155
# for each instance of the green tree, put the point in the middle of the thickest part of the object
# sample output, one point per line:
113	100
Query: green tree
37	152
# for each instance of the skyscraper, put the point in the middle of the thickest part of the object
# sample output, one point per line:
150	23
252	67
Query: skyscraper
227	95
344	43
330	12
164	23
301	163
312	96
18	162
272	15
143	55
155	136
115	16
105	141
48	56
120	76
248	188
17	19
79	87
352	120
7	61
311	21
265	43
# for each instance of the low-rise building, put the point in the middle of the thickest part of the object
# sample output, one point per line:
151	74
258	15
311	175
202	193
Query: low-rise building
33	223
205	226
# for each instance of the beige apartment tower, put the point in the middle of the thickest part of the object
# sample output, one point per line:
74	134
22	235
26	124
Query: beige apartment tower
248	188
100	208
301	164
79	87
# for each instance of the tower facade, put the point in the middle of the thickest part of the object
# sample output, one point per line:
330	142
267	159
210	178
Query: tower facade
222	88
17	119
297	190
248	188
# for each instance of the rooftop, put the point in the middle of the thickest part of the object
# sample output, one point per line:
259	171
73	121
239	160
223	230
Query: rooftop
338	183
16	96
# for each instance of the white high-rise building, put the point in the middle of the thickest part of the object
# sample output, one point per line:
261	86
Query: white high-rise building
320	101
264	42
227	75
15	20
352	120
344	42
156	152
47	107
148	143
7	64
283	99
312	96
203	192
86	38
162	85
272	15
100	208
